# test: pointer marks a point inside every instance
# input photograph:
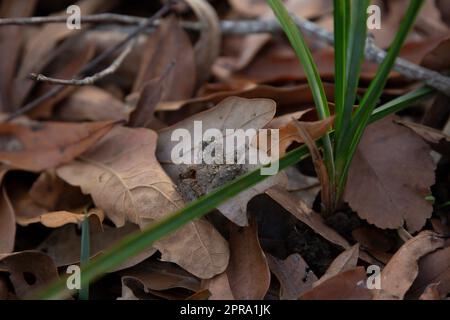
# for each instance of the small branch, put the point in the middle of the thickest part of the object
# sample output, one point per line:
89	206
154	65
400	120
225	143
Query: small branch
91	79
373	53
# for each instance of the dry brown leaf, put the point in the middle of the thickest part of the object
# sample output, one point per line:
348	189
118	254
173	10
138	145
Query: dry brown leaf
29	271
312	219
293	274
348	285
390	177
150	95
433	268
248	271
60	218
168	46
345	261
401	271
92	104
219	287
438	140
207	47
124	178
36	146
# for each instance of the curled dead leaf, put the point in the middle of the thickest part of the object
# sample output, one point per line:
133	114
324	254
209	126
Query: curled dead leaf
401	271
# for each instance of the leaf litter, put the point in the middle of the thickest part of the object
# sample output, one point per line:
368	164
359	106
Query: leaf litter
105	149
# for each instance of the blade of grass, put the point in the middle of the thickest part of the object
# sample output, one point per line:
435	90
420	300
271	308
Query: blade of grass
84	255
140	241
340	19
357	33
360	120
312	74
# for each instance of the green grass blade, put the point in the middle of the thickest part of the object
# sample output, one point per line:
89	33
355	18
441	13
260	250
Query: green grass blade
370	99
357	34
312	74
84	255
400	103
140	241
340	17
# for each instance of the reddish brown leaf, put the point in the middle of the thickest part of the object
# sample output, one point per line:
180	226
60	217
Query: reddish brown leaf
433	268
38	146
248	271
348	285
168	45
29	271
390	177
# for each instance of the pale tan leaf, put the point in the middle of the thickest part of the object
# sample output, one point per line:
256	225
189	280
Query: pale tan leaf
124	179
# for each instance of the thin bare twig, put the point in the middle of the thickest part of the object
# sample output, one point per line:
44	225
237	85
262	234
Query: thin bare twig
90	79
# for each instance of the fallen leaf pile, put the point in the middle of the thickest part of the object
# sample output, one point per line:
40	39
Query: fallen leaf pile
104	152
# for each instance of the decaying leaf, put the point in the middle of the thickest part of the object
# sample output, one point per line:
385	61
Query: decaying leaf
399	274
390	177
433	268
248	271
124	179
293	274
29	271
39	146
92	104
348	285
168	45
439	141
